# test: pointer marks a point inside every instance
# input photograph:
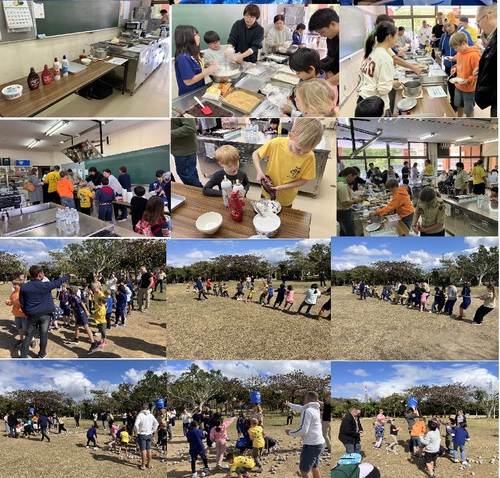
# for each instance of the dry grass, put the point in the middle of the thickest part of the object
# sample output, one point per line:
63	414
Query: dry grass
376	330
483	443
143	336
66	456
274	426
225	329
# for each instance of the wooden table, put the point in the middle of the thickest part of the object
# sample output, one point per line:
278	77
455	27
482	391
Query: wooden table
33	102
294	223
400	227
439	106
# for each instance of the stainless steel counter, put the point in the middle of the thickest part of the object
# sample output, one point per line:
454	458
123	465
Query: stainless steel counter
40	221
208	164
186	101
435	76
465	219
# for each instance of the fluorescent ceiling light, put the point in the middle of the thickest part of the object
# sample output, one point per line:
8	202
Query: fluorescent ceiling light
34	143
494	140
428	135
463	138
56	127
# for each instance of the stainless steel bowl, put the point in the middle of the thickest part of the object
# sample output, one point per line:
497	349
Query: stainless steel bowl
99	53
222	77
413	88
420	52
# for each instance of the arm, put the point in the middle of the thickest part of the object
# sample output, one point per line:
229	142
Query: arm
256	162
399	61
303	429
187	128
385	79
215	180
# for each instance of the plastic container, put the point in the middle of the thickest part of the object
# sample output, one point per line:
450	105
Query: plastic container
12	92
236	206
46	75
226	188
412	402
57	69
64	66
255	398
33	79
240	188
159	403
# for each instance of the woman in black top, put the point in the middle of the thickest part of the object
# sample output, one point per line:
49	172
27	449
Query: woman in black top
246	35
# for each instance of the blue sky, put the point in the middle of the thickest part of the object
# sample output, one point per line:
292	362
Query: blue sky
34	250
244	369
384	378
74	377
186	252
349	252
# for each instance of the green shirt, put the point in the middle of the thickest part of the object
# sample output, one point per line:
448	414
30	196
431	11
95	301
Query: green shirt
183	133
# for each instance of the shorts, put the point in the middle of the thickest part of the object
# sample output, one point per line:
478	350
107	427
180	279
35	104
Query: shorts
21	323
82	320
465	304
102	329
431	457
465	99
144	442
309	457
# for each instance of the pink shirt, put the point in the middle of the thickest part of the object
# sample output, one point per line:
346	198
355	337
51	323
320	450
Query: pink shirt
289	295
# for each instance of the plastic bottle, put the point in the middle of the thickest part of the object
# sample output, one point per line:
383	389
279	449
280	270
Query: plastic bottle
62	221
33	79
58	219
255	132
236	207
46	75
57	70
226	188
64	66
240	188
247	132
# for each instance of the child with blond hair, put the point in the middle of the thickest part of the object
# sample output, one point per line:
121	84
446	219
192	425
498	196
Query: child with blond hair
85	196
100	320
291	159
228	158
315	98
257	436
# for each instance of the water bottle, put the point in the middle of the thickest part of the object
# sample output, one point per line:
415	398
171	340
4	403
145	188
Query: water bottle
247	132
255	132
62	220
76	217
64	66
58	219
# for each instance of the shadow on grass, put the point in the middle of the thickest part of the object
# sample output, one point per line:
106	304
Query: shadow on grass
134	343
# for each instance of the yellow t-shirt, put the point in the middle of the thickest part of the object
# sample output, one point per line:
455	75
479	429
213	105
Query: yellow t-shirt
124	437
85	197
96	298
477	174
100	314
257	437
429	170
52	178
242	462
285	167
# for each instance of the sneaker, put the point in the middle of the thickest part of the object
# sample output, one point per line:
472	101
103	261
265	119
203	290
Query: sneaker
42	356
102	345
194	475
206	470
120	325
475	323
456	461
34	343
260	470
97	334
72	342
114	325
96	448
225	467
122	220
18	344
93	347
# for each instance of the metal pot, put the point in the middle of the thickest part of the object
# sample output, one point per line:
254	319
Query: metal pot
420	52
222	75
413	88
99	53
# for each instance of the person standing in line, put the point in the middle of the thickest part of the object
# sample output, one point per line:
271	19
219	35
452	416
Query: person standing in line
145	425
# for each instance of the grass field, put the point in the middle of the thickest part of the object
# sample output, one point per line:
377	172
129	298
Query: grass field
66	456
377	330
483	443
226	329
143	336
275	425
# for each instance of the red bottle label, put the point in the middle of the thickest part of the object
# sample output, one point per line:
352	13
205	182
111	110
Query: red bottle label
235	207
46	77
33	81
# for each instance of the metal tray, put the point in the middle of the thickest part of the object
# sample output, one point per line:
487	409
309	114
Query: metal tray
218	111
260	98
293	79
252	83
176	201
277	58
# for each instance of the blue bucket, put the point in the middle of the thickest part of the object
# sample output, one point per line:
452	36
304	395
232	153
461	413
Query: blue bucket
255	398
32	410
412	402
159	403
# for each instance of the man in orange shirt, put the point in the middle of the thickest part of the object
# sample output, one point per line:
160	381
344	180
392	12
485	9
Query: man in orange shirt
65	189
400	202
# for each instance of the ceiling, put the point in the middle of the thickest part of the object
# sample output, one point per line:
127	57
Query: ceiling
17	134
411	129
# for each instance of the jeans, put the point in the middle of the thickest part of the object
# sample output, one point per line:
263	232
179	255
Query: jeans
346	221
352	447
159	282
41	323
68	202
186	169
462	452
44	434
304	303
448	306
408	220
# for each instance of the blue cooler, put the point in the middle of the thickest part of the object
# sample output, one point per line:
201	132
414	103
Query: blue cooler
255	398
159	403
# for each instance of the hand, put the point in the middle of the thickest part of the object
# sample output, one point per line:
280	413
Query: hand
238	58
476	71
260	177
417	70
396	84
361	434
453	71
287	431
72	276
211	70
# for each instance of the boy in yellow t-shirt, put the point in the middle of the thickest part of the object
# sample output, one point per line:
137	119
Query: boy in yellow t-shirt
256	434
239	464
100	320
428	173
291	160
85	197
124	439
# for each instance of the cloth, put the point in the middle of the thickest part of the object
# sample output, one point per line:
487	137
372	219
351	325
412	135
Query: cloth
145	423
486	85
187	67
85	197
467	62
36	298
243	38
400	202
310	429
51	179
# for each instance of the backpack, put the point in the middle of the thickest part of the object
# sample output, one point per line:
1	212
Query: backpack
349	459
346	471
144	228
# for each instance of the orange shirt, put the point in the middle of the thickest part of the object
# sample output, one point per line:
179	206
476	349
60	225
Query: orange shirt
400	203
16	305
467	62
418	429
65	188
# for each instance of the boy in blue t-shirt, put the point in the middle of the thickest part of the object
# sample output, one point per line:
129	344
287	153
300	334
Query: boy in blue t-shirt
92	437
105	195
109	308
195	439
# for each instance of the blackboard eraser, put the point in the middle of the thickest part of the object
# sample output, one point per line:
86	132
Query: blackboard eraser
41	36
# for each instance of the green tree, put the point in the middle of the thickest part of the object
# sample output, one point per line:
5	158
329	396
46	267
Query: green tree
479	264
10	264
395	404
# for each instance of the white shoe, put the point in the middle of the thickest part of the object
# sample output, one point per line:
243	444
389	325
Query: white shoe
194	475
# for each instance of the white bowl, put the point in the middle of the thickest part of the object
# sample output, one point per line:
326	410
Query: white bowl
12	92
267	225
86	61
209	222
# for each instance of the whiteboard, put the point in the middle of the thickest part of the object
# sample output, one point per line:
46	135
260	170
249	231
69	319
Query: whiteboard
353	30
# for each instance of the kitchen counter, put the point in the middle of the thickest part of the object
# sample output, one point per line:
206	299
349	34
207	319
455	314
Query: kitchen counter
263	110
387	228
294	223
208	164
40	221
440	107
465	219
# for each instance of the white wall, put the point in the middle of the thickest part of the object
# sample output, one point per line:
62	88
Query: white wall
36	157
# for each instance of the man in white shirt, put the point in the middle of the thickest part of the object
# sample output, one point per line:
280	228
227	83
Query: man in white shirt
311	432
403	40
145	425
424	34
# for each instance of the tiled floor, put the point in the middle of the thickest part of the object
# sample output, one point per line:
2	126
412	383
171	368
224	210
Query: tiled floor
150	100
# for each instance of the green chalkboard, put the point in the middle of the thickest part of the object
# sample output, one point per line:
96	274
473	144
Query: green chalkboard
74	16
141	164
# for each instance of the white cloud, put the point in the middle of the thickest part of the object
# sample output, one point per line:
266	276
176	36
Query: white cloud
364	251
485	241
359	372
